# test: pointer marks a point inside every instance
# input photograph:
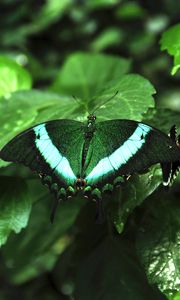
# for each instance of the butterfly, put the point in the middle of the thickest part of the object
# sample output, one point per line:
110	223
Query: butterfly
92	157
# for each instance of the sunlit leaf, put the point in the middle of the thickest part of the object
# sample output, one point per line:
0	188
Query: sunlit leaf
51	11
83	74
12	77
170	41
158	243
132	100
20	110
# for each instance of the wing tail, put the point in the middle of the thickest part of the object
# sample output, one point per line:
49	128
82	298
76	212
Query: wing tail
171	169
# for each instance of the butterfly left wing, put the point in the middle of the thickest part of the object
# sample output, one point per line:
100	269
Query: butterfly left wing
48	148
124	147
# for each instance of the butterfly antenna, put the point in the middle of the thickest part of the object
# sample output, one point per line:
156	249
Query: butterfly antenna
99	106
76	99
79	101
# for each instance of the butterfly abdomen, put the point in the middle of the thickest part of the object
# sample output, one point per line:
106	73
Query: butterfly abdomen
88	135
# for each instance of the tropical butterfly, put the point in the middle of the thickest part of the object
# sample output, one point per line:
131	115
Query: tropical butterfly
92	157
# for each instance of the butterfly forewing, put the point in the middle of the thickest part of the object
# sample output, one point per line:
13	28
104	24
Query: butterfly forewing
124	147
52	148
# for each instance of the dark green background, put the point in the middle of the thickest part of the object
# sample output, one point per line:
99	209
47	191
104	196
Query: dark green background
135	253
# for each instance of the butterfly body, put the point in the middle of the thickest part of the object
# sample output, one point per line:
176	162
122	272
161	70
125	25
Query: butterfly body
92	157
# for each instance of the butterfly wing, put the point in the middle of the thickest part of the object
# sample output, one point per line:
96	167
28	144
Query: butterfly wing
52	148
124	147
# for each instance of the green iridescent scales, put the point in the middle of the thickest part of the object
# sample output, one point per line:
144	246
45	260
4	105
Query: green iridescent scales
92	156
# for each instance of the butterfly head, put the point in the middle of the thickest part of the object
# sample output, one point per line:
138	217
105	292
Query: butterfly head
80	184
91	117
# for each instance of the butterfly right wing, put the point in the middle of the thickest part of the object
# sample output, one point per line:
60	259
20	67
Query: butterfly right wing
125	147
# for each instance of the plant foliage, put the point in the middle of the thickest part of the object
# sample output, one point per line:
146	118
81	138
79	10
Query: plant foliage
94	51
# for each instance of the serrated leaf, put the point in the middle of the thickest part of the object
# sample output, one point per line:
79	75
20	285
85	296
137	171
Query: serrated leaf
27	108
129	97
15	206
12	77
133	98
40	240
83	74
170	41
158	243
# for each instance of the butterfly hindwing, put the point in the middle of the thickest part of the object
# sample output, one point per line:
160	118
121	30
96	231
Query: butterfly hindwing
50	148
124	147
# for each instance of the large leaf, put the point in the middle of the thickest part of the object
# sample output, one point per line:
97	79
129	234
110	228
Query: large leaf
98	265
112	272
170	41
158	242
12	77
128	97
83	74
131	96
27	108
35	250
134	193
15	206
20	110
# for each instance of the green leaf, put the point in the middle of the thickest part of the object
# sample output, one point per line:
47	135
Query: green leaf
130	10
141	43
15	206
158	242
42	242
99	4
128	97
110	37
162	118
20	110
134	193
170	41
176	296
83	74
133	98
12	77
170	99
111	271
51	12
